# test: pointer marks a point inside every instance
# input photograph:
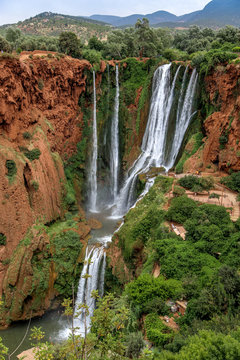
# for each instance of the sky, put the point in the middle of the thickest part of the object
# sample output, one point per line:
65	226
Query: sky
12	11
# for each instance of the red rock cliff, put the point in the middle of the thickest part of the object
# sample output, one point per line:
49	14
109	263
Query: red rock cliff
38	110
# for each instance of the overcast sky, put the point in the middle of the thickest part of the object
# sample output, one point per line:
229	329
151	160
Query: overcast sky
15	10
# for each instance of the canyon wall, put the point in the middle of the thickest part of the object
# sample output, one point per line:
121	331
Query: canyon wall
220	111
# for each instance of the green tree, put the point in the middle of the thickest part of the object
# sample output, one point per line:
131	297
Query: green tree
70	44
12	35
5	45
146	38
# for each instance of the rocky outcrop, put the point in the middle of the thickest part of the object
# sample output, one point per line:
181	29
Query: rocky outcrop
222	126
40	124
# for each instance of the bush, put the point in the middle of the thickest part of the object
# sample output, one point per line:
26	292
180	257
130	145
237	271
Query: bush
11	167
178	191
146	288
181	209
196	184
232	181
135	344
157	331
32	154
40	84
93	56
27	135
3	239
34	184
67	247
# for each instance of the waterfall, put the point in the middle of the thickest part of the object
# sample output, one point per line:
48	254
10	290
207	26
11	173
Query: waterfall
93	164
155	136
154	154
114	154
184	116
92	278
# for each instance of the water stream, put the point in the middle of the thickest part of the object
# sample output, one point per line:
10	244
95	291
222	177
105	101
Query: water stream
114	154
93	165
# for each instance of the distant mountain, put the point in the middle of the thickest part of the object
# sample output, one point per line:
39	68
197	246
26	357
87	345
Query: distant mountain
216	13
52	24
154	18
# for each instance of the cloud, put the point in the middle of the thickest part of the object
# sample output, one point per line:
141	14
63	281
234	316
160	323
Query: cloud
17	10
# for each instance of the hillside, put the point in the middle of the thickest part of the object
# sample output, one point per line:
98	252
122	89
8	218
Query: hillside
51	24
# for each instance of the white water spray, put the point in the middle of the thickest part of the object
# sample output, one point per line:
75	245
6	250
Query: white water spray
93	165
114	154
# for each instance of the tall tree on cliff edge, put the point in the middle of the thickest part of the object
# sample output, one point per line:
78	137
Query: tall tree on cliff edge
69	44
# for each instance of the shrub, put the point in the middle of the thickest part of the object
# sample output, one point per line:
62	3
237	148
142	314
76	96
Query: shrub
27	135
214	196
196	184
181	209
32	154
40	84
157	331
145	288
135	344
3	239
67	249
178	191
35	185
93	56
232	181
11	167
236	49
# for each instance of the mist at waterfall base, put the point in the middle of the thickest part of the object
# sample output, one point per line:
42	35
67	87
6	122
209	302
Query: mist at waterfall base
170	114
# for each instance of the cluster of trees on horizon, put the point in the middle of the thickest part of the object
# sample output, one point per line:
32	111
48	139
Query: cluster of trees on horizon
138	41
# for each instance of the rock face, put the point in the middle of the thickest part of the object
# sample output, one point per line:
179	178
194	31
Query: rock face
222	126
40	123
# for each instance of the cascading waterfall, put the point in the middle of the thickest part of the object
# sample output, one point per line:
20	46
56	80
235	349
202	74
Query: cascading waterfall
154	153
92	278
93	164
114	154
184	115
155	136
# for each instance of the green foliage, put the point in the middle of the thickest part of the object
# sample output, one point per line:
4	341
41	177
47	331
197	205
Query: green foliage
108	323
34	184
207	345
157	331
146	288
135	344
141	221
69	44
67	247
32	154
92	55
196	184
40	84
178	191
181	209
27	135
5	45
11	168
3	350
214	196
95	44
174	54
3	239
232	181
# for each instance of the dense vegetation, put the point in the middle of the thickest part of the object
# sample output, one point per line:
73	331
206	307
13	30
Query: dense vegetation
205	48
